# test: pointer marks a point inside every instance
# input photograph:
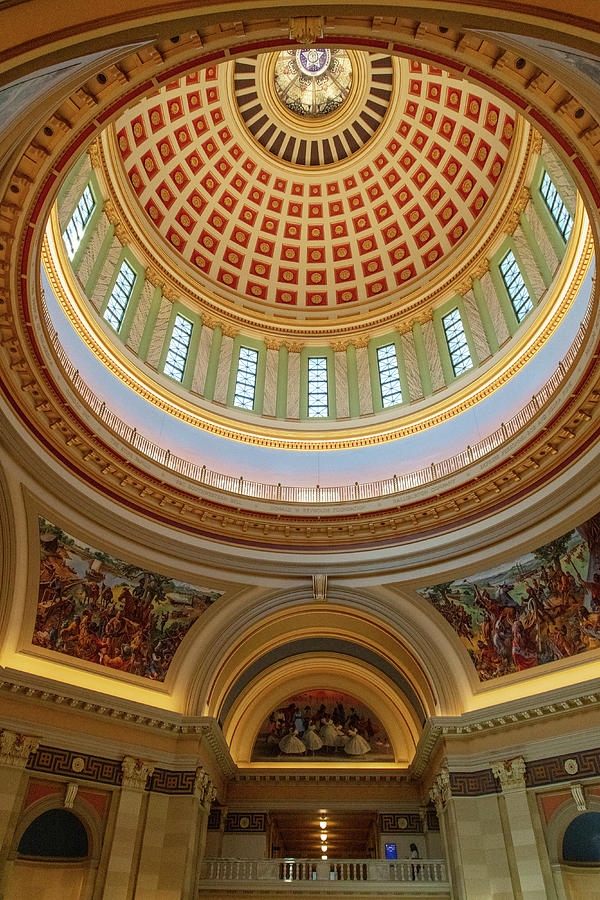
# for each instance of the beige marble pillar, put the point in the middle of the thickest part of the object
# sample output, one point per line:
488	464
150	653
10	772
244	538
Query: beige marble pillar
121	873
473	842
524	848
15	750
173	843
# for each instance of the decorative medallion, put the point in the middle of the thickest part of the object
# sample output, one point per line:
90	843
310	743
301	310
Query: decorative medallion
314	81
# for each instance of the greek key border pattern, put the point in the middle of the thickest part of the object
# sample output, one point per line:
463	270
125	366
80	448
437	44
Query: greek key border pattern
246	822
538	773
55	761
401	823
166	781
552	769
473	784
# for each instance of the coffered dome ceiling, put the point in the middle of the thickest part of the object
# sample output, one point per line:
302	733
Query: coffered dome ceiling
370	200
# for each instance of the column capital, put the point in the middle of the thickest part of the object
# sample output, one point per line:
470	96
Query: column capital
510	773
441	791
204	789
135	773
15	749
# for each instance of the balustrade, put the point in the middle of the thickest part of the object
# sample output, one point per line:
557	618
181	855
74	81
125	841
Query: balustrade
430	871
371	490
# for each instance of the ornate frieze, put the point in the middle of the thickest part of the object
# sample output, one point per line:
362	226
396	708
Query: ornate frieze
15	749
510	773
135	773
441	790
204	789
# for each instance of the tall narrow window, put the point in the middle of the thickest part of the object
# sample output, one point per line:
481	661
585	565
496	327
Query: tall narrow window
457	342
75	229
245	382
389	379
318	405
556	205
179	346
118	300
517	290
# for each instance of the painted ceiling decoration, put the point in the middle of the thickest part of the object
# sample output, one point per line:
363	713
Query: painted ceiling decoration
280	234
313	118
107	464
539	608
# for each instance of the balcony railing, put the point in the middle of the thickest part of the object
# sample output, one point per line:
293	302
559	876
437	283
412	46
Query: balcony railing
385	487
415	875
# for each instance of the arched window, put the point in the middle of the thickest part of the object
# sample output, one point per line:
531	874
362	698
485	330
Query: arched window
581	843
57	834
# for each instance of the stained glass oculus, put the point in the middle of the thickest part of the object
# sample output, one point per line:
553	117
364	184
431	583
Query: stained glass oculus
76	225
179	346
515	285
389	379
314	81
555	204
457	342
119	298
318	404
245	382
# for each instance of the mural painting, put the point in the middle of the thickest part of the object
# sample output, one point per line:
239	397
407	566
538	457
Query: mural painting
542	607
100	609
322	726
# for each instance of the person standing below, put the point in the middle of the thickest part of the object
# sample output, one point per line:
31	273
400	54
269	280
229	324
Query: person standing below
414	868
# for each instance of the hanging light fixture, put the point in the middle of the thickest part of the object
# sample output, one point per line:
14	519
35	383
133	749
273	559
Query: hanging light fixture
323	824
323	847
324	856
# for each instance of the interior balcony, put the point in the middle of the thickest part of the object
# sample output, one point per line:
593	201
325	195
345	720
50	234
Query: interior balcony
275	878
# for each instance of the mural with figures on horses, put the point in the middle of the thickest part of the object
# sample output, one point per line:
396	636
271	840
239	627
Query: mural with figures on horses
539	608
322	725
100	609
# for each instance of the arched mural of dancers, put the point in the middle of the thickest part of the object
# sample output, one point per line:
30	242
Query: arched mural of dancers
322	725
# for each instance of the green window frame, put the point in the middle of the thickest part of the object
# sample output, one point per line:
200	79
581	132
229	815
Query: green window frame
556	206
456	341
318	388
389	375
179	348
80	219
515	286
120	296
244	392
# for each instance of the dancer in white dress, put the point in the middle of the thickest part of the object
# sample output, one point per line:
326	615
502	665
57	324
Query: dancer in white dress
328	733
311	739
355	744
340	737
291	743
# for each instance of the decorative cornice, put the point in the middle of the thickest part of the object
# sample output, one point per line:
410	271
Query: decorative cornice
510	715
306	29
214	420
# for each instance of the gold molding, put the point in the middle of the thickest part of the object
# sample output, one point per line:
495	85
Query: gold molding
203	415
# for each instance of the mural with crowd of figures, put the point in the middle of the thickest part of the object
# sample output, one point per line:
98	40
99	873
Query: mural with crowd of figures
322	725
543	606
100	609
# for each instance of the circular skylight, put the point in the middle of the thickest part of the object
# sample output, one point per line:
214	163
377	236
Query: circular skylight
313	81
